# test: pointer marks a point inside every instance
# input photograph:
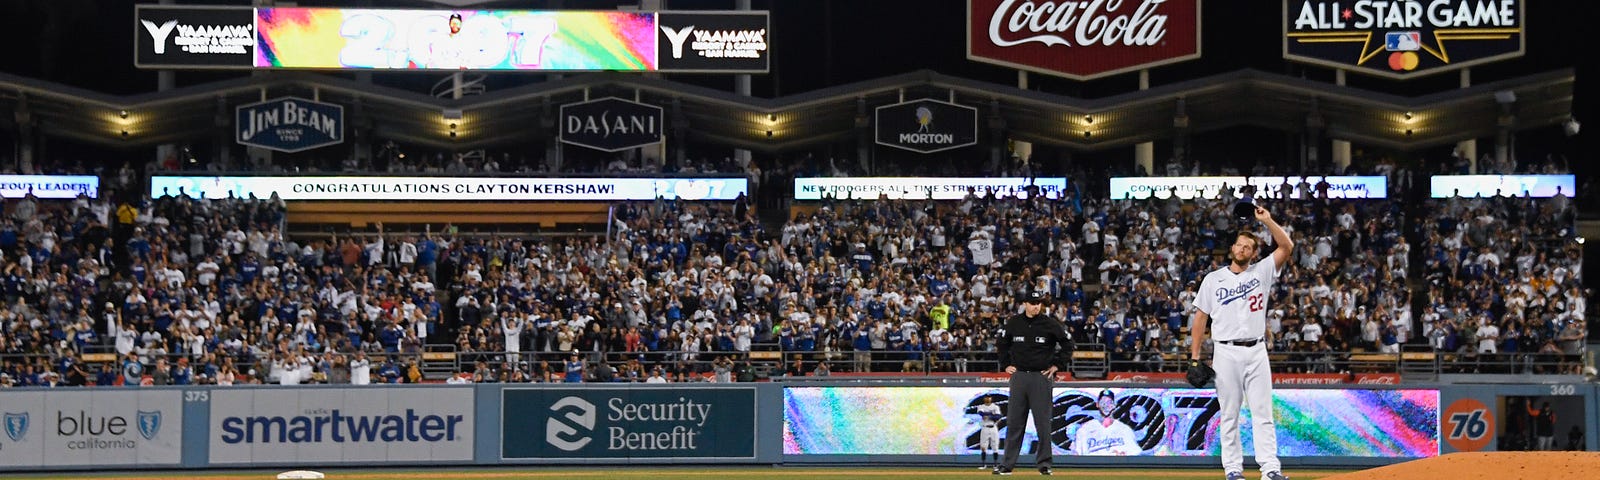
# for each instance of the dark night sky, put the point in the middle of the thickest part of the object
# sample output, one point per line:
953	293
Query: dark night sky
816	43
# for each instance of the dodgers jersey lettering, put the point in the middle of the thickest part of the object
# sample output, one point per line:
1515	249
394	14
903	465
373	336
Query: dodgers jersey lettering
1237	303
1095	438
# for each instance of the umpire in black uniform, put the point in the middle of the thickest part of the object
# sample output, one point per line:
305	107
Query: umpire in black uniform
1029	352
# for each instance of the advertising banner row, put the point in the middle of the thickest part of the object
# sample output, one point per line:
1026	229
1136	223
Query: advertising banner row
1074	39
525	40
1396	39
746	423
328	426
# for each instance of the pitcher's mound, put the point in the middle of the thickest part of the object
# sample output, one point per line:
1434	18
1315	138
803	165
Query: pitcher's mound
1487	466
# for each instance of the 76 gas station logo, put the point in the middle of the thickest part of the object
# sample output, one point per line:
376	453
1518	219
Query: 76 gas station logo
1468	425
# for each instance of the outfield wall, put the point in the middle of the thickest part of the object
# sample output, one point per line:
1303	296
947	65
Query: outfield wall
817	422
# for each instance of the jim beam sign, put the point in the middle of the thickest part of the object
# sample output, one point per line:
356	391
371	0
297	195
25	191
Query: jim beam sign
1083	39
926	126
1402	39
290	124
611	124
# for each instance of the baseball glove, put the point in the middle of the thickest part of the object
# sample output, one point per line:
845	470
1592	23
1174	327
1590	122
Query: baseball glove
1200	374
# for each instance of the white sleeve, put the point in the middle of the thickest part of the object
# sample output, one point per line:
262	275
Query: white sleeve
1267	271
1206	303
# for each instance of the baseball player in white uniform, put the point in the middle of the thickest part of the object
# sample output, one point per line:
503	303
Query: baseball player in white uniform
989	436
1235	299
1105	436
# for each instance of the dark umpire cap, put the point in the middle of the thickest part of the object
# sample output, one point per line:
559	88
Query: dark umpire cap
1035	296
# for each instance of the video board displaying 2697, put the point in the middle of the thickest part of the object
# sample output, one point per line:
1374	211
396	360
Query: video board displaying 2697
501	40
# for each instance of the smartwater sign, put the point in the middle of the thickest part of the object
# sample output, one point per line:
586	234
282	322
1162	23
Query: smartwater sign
290	124
337	425
611	124
926	126
634	422
101	427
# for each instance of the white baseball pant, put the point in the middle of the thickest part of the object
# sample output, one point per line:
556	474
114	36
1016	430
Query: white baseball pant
1243	374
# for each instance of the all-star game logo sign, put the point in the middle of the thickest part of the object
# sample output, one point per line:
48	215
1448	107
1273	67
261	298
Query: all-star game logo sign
1402	38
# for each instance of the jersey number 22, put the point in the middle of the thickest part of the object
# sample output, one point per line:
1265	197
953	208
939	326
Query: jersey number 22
1257	302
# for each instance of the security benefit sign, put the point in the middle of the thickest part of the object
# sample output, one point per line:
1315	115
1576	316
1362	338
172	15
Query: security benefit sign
611	124
1402	39
290	124
635	422
106	428
191	37
926	126
1083	39
323	426
713	42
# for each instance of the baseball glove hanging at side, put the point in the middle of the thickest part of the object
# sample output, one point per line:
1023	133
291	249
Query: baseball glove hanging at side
1200	374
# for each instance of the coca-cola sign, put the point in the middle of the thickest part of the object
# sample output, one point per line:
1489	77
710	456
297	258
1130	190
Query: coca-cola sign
1083	39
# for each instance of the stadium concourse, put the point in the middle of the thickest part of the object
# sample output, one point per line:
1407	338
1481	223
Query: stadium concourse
172	290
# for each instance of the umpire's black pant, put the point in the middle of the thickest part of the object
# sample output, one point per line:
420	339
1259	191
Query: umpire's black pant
1030	393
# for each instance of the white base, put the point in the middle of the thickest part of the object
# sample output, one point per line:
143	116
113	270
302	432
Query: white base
300	475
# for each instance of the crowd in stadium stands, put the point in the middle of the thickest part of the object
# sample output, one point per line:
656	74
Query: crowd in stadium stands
181	291
1503	277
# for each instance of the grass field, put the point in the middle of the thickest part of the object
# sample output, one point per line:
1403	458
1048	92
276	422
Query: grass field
666	473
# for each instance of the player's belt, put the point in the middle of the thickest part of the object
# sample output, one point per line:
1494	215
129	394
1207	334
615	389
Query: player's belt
1241	343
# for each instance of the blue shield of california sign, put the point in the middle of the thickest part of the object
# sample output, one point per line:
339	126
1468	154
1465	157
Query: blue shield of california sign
149	424
16	425
290	124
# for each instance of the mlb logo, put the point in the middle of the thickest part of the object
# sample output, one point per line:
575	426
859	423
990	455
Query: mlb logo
1403	41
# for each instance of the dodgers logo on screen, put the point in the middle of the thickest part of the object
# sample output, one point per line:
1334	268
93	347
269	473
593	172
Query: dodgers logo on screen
149	424
563	431
16	425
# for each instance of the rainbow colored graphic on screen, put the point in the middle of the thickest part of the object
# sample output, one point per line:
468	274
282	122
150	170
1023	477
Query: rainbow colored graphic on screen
439	40
1163	422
